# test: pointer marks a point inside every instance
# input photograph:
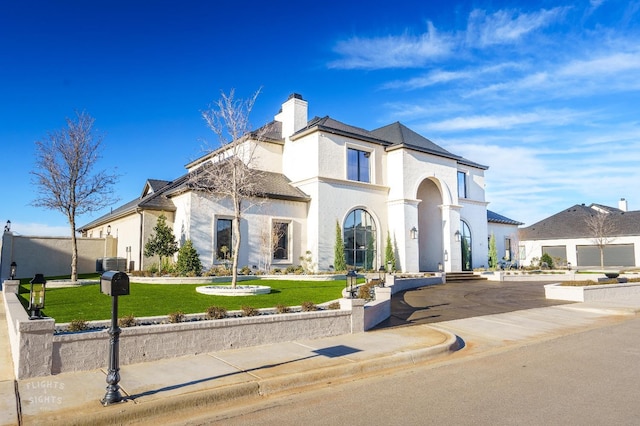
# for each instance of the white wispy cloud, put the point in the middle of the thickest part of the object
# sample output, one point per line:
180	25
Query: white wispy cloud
506	27
502	121
393	51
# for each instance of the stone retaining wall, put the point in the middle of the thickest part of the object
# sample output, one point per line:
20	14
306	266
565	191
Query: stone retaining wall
37	351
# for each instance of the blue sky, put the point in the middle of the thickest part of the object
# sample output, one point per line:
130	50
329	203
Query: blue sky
544	93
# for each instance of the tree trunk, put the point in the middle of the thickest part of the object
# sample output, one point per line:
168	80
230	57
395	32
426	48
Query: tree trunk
74	249
236	242
602	257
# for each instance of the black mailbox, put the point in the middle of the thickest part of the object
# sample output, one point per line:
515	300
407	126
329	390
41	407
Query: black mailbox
114	283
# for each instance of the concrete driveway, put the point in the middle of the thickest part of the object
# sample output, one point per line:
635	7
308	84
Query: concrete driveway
465	299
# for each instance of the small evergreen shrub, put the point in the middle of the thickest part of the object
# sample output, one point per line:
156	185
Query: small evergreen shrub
78	325
333	305
188	260
216	312
282	309
308	307
175	317
249	311
127	321
546	258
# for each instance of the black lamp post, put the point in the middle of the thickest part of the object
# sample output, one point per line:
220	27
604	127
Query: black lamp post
12	270
381	275
7	227
352	277
36	296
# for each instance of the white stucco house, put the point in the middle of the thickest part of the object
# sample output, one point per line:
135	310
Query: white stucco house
319	172
566	237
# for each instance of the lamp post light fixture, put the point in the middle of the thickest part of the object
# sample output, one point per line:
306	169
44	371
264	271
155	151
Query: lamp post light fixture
439	266
36	296
381	275
352	278
457	236
12	270
414	233
108	229
7	227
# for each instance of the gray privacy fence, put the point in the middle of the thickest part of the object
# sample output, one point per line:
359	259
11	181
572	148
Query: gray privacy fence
50	256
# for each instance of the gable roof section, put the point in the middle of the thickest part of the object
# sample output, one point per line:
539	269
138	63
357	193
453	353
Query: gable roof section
403	137
571	223
328	124
392	136
275	186
493	217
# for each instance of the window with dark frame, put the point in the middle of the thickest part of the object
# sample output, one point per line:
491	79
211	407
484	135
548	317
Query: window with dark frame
224	236
358	165
281	240
462	185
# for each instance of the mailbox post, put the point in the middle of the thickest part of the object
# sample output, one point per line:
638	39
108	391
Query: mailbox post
114	284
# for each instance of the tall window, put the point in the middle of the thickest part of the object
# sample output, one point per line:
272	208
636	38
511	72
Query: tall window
360	239
223	238
465	246
358	165
280	240
507	249
462	185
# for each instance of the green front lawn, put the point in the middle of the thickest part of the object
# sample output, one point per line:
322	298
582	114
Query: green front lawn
87	303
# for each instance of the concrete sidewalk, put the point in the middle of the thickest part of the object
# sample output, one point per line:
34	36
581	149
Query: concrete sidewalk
213	379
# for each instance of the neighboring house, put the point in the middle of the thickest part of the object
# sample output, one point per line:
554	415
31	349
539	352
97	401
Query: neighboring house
505	231
567	237
317	173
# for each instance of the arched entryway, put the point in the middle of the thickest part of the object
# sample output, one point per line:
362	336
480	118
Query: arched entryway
359	236
465	245
430	226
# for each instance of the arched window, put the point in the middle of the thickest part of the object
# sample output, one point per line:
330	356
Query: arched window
465	244
360	239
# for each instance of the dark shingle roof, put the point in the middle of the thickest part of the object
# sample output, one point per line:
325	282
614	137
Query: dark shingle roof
274	185
494	217
392	136
571	223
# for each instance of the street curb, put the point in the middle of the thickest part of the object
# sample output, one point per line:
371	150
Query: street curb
129	411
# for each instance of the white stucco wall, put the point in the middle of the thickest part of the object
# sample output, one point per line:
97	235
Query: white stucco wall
201	219
502	231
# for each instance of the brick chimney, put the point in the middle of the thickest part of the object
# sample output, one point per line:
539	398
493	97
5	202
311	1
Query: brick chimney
293	115
622	205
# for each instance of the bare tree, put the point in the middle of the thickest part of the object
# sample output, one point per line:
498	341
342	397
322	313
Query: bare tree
601	230
66	178
228	173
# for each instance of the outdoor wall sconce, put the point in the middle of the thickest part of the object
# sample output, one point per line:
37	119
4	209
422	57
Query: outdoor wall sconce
12	270
108	229
351	277
439	266
7	227
36	296
457	235
446	256
414	233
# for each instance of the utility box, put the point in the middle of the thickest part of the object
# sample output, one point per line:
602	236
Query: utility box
114	283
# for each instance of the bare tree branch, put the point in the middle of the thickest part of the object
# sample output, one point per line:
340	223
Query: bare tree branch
602	231
65	177
228	171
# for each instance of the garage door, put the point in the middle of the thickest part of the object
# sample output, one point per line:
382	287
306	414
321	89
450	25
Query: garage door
614	255
557	253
